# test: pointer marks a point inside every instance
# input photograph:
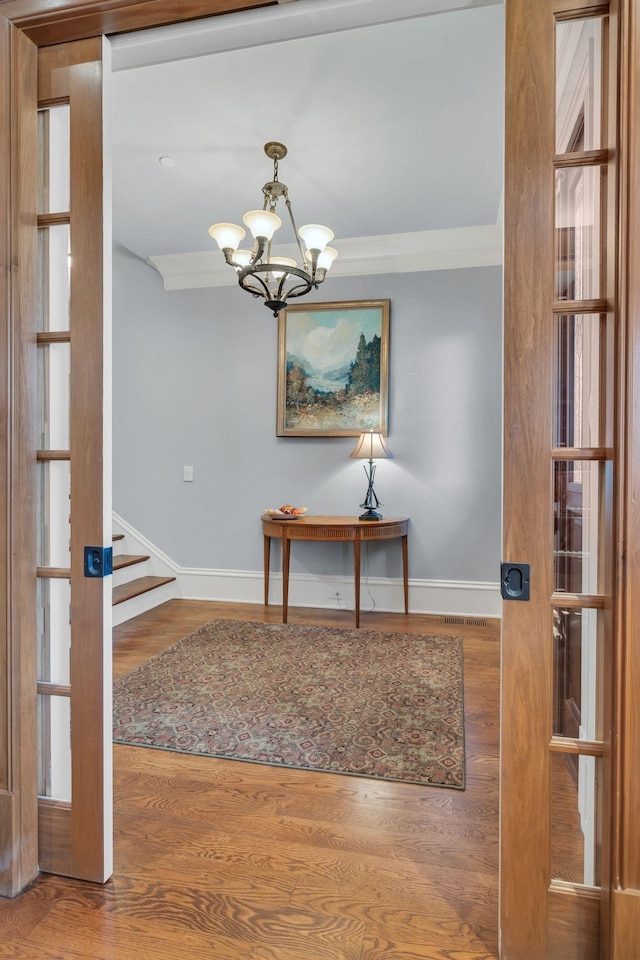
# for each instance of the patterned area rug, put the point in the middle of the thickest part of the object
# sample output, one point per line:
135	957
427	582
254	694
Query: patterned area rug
359	702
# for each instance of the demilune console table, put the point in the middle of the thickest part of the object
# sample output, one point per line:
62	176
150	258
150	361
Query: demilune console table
327	529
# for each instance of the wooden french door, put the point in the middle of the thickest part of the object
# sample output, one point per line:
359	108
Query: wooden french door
73	485
562	427
542	916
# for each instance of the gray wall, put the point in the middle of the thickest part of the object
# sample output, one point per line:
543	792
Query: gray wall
195	384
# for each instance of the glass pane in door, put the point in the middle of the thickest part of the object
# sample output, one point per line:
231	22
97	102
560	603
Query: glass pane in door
579	395
578	85
53	526
576	788
53	386
54	162
577	669
54	747
54	264
578	274
54	630
577	529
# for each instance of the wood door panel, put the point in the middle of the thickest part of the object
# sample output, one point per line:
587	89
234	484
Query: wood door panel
574	924
553	254
76	838
18	752
55	837
528	529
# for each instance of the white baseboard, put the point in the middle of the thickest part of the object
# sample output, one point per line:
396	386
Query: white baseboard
425	596
457	598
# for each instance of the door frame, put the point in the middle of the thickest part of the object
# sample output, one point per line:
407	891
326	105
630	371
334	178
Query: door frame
26	24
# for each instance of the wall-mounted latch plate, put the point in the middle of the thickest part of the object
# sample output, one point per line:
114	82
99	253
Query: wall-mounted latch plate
514	581
98	561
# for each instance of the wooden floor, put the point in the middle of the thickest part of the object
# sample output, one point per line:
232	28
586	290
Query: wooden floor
236	861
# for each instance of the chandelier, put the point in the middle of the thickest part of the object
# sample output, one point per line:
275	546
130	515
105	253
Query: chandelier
276	279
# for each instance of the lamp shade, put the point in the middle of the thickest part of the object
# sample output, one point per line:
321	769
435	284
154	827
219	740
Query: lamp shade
326	258
283	261
371	446
228	236
315	236
242	257
262	223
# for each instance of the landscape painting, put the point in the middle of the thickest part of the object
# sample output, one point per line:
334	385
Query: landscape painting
333	369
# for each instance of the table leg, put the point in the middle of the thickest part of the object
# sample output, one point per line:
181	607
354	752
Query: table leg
356	577
286	546
405	572
267	554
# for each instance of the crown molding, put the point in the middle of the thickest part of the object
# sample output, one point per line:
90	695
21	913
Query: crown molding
269	24
451	249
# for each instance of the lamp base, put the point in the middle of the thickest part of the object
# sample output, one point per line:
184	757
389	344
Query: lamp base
370	515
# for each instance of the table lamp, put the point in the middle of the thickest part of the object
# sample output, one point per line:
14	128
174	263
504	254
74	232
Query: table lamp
371	446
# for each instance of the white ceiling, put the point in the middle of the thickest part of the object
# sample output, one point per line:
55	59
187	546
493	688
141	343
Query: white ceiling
392	127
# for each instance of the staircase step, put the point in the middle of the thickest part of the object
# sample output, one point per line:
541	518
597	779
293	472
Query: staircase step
135	587
127	560
117	536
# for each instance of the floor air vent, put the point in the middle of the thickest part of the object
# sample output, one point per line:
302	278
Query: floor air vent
466	621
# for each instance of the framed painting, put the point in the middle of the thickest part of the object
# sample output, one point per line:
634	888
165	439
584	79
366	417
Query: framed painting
333	369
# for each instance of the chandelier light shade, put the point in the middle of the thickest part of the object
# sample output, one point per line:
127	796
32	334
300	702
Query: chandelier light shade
371	446
275	279
227	234
262	223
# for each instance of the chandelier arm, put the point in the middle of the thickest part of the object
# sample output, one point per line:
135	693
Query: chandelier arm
258	250
228	256
297	291
244	279
257	268
252	272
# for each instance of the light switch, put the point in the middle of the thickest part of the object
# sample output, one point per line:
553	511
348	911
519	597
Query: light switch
187	473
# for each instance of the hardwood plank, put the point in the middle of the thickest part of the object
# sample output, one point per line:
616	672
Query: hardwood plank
233	860
192	923
377	948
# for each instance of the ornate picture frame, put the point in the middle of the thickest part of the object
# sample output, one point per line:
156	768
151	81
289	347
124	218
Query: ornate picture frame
333	369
